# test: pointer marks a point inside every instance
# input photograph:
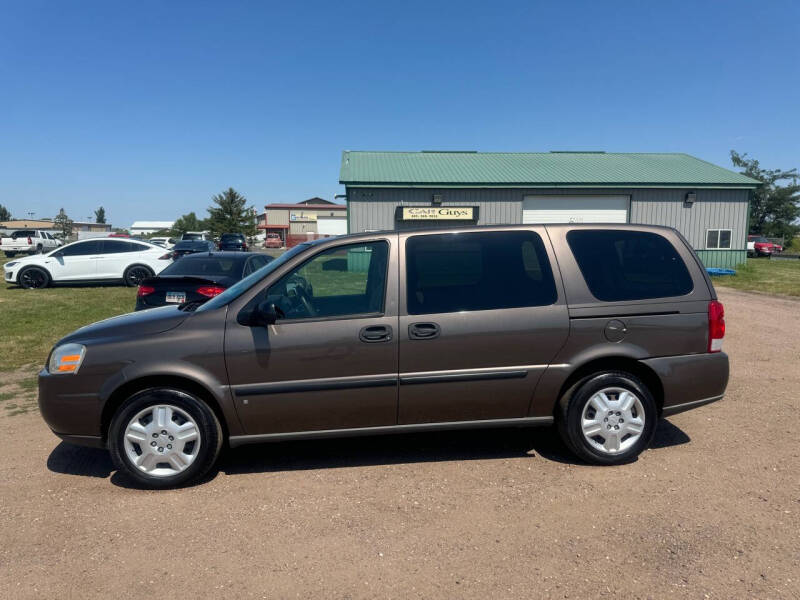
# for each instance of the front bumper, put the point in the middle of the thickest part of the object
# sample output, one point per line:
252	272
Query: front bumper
68	406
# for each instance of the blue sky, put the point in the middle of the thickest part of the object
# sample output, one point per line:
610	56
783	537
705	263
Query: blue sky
150	108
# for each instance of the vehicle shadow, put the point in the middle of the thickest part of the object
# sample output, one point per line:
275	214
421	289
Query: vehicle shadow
361	451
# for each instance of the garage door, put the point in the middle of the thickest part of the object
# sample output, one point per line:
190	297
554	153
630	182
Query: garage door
575	209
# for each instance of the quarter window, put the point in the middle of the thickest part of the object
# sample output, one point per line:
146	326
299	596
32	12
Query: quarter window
718	238
477	271
338	282
629	265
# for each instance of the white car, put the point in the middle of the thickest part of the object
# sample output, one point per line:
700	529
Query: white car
98	259
164	242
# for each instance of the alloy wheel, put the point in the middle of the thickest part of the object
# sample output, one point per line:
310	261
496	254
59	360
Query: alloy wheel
33	278
136	275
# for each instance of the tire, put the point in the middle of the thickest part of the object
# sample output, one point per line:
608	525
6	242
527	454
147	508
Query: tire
135	274
39	249
609	439
33	278
10	254
137	434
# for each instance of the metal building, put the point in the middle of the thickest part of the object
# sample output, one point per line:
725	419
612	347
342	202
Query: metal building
406	190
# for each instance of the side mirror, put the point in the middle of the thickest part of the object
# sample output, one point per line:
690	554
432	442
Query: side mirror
266	313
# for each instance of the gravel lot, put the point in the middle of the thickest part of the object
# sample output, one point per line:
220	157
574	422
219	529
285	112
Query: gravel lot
712	510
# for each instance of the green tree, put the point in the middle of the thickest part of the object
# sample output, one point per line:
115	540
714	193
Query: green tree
774	208
188	222
100	215
5	214
64	223
231	214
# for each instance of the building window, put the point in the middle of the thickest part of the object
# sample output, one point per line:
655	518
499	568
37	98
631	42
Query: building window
718	239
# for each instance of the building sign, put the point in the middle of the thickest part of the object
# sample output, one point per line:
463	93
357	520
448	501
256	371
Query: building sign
437	213
303	215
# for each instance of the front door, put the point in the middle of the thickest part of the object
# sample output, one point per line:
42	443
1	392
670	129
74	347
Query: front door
75	262
330	361
481	318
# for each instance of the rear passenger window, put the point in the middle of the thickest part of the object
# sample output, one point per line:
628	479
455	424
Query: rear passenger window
477	271
629	265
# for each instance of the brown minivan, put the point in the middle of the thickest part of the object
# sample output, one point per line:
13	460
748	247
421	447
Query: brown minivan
600	329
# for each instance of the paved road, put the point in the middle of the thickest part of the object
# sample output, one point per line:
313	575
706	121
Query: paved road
712	509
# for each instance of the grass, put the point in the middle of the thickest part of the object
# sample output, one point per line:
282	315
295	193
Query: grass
765	275
31	321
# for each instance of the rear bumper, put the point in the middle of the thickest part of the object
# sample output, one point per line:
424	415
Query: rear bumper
692	380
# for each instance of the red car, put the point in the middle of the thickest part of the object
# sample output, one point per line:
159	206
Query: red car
273	240
758	245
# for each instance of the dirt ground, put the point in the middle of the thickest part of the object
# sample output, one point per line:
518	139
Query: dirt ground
711	510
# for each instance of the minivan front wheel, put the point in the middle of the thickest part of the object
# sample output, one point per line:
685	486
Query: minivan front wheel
164	438
608	418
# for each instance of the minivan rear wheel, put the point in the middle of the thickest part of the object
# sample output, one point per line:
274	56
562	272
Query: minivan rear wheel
608	418
164	438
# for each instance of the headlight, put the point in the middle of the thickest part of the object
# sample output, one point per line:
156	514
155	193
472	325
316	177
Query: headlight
66	359
12	263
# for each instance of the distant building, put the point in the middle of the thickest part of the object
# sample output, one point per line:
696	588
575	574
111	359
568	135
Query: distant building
88	226
307	220
147	227
406	191
41	224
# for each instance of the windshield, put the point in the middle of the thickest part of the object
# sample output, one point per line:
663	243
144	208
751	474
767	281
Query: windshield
191	245
760	240
231	237
192	236
245	284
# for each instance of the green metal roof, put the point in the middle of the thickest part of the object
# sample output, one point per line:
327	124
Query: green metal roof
535	169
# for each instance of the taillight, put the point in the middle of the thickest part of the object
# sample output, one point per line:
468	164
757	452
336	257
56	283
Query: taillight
145	290
716	326
210	290
166	256
30	241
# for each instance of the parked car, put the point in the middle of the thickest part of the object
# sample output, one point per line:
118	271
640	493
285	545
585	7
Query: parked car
233	242
196	235
184	247
97	259
28	241
198	277
119	235
600	329
758	245
164	242
273	240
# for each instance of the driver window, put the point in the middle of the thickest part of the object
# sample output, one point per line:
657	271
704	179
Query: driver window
341	281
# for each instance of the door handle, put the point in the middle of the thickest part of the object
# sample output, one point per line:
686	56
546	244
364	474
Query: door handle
375	333
423	331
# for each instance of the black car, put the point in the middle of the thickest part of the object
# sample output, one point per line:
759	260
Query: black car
233	241
185	247
198	277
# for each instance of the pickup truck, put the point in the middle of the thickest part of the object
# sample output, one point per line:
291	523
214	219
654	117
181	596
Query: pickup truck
28	241
760	246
